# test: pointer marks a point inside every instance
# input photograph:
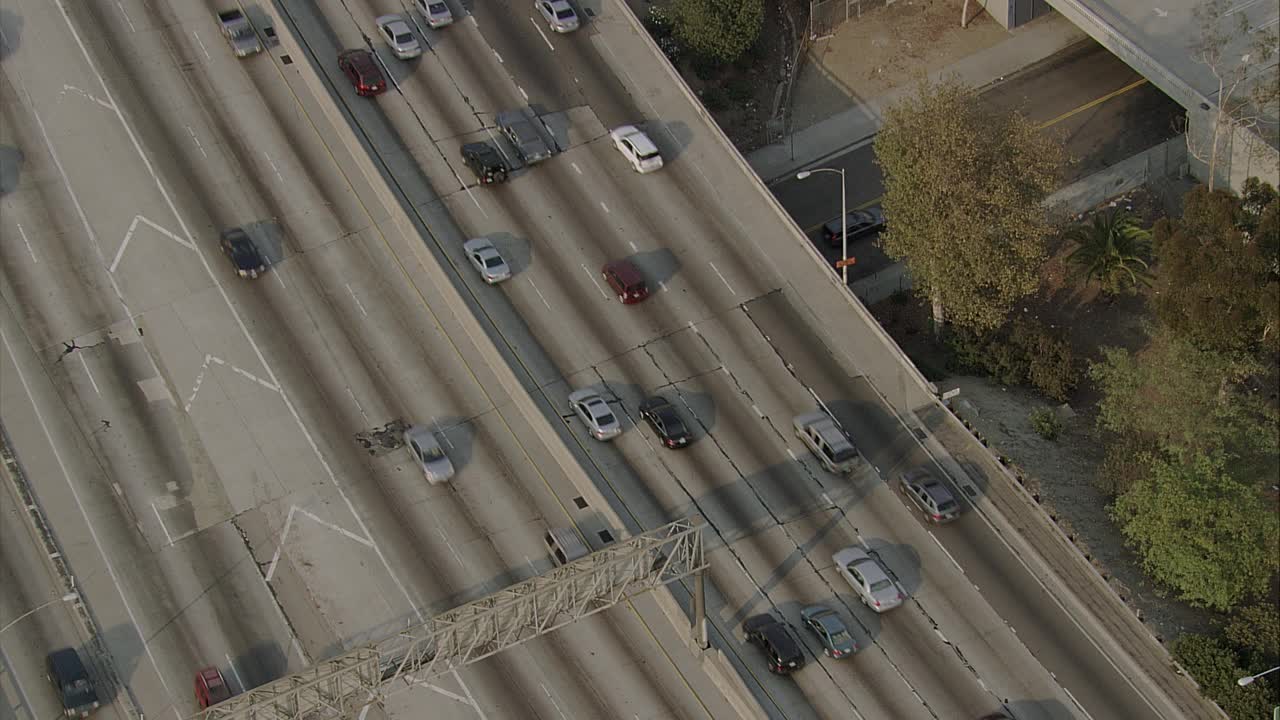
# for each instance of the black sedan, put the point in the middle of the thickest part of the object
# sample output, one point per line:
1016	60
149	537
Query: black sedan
665	421
860	222
242	253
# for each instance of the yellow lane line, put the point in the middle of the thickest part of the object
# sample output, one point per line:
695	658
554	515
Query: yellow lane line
1041	126
1093	103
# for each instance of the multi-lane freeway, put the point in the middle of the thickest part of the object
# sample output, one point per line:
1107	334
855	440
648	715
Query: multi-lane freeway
193	437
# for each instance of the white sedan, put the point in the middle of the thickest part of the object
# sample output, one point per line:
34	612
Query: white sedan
435	12
637	148
486	260
399	37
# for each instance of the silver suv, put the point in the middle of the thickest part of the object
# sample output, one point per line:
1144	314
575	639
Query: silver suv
929	494
827	441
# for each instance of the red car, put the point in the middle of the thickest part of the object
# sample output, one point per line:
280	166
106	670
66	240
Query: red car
627	282
211	689
363	72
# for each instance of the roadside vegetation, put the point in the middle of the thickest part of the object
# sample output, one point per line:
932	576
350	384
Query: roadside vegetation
1185	405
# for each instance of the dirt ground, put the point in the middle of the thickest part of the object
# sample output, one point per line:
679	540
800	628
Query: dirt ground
1062	470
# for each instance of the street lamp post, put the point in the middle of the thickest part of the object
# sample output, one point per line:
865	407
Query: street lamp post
844	219
1246	680
65	598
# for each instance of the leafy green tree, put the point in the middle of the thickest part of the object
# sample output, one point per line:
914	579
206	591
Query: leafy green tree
1208	535
1175	395
1216	667
1112	250
1219	278
1255	630
718	29
964	190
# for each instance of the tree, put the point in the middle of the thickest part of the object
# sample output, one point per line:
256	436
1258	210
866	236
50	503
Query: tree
964	190
1209	535
1219	278
718	29
1174	395
1247	83
1113	250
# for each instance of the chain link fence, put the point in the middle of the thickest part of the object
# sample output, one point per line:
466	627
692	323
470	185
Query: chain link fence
826	15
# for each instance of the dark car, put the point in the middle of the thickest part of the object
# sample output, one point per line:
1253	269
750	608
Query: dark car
626	281
242	253
771	636
211	688
831	631
72	683
860	223
363	72
930	495
485	162
665	421
528	141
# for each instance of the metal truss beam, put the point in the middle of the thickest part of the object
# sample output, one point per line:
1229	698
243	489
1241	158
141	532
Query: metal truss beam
481	628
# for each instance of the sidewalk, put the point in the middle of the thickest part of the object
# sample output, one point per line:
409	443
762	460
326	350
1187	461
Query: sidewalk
845	63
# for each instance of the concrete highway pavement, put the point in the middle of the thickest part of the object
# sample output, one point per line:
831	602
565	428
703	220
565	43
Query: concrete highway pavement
274	377
564	237
256	477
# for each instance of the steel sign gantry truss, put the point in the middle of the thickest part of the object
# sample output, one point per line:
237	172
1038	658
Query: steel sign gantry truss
511	616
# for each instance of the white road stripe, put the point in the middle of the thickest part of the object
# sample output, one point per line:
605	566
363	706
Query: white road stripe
726	282
86	372
23	233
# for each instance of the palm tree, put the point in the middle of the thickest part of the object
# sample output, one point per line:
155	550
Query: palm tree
1111	249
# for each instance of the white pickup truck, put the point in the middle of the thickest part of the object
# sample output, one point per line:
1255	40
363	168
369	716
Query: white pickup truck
239	33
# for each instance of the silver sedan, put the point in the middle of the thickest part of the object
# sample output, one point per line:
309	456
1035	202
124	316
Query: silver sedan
595	414
486	260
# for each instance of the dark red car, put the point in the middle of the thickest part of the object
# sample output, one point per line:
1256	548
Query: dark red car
363	72
627	282
211	688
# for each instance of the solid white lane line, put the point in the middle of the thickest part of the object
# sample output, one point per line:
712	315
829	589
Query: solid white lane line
234	671
633	246
191	131
199	42
604	207
553	702
168	538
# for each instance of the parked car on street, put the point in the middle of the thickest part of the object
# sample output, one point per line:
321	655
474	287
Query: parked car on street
861	222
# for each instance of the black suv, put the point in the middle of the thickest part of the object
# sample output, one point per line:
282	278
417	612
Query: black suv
72	683
485	162
771	636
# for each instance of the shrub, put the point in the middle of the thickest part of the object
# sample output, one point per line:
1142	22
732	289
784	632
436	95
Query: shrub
1022	352
715	98
1046	423
1216	667
740	89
